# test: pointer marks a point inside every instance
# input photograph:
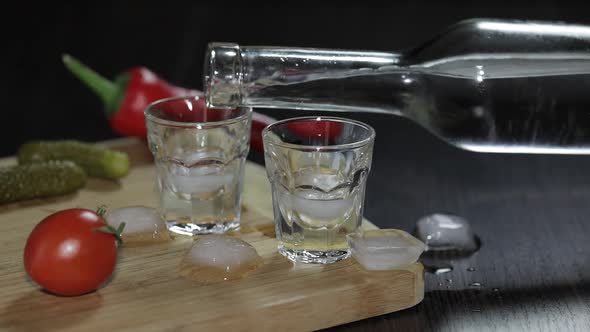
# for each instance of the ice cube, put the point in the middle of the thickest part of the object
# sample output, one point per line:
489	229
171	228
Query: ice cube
319	199
218	257
445	232
198	184
326	182
320	209
142	224
197	172
385	249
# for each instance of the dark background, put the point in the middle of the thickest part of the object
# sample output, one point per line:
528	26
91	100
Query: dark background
530	211
169	37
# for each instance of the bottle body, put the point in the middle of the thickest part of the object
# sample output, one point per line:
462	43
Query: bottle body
488	86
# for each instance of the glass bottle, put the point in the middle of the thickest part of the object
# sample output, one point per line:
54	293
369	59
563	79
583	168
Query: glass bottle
483	85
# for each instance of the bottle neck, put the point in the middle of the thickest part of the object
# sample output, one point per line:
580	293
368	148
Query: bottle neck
299	78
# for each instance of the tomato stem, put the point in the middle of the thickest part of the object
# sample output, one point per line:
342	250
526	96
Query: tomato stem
101	210
116	232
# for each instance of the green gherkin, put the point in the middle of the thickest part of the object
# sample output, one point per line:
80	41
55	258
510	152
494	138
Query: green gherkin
96	160
38	180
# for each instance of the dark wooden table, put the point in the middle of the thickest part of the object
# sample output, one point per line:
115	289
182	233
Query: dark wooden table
531	212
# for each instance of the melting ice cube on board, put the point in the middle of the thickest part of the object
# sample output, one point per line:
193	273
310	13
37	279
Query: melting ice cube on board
446	232
385	249
142	224
215	258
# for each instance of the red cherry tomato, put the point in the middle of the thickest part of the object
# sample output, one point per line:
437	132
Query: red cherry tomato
66	254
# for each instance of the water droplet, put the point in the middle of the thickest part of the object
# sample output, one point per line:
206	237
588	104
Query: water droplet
442	270
438	269
448	287
476	284
470	269
440	283
450	281
495	289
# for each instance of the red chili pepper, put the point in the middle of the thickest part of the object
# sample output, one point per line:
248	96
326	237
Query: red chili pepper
126	98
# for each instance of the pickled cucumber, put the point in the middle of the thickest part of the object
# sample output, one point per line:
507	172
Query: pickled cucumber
38	180
96	160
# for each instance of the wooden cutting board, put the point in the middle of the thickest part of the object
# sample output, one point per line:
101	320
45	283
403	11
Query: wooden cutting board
147	294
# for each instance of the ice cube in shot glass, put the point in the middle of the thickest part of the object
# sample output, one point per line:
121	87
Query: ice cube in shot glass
385	249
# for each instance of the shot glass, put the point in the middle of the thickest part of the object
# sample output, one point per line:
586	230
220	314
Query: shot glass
318	168
199	154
